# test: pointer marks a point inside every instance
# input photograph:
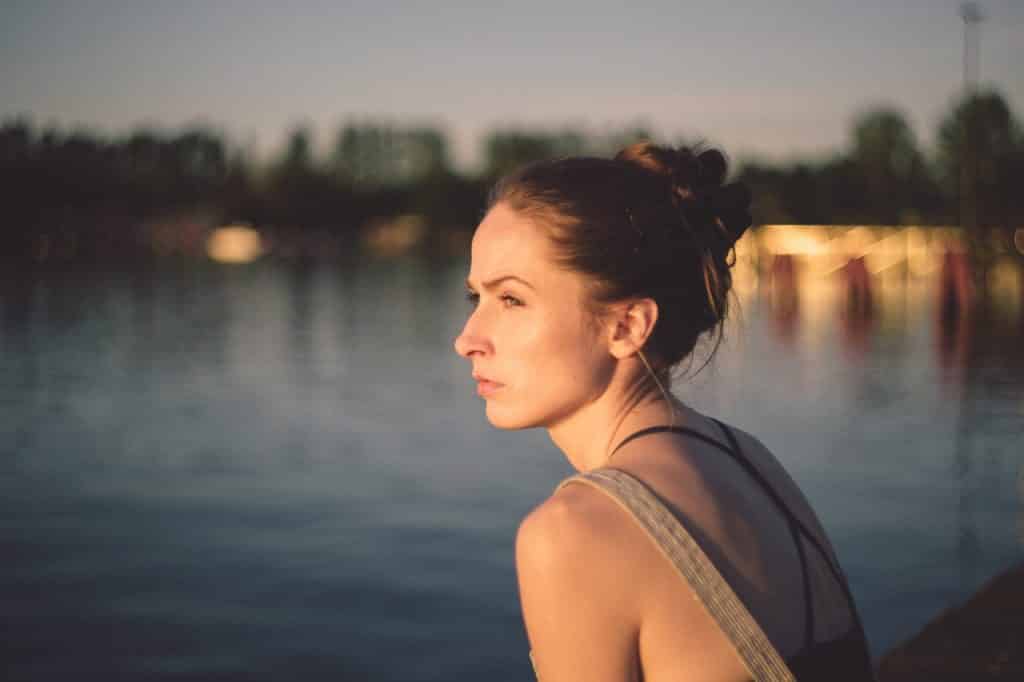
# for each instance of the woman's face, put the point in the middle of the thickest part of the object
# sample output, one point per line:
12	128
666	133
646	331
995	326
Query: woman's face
538	355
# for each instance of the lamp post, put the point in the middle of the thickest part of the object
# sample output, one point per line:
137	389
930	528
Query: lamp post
971	14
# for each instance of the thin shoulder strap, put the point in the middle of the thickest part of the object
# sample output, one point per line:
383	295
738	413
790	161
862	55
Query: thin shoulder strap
759	656
836	571
734	451
673	429
794	529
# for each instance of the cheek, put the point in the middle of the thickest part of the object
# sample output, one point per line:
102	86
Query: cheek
545	341
553	363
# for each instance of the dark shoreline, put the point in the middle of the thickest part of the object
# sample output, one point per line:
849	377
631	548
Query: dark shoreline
982	639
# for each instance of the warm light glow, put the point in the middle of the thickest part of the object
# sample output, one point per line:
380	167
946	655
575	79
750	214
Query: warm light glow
234	244
1018	239
826	249
744	273
920	254
803	240
858	241
948	239
396	236
886	252
1005	283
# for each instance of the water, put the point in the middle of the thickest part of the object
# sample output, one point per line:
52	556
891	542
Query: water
268	473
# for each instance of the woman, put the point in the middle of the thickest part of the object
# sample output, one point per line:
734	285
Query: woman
683	550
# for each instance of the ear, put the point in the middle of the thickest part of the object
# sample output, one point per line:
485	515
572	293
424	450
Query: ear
631	323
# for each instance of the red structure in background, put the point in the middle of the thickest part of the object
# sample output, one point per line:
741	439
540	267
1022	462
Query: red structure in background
953	307
857	311
784	296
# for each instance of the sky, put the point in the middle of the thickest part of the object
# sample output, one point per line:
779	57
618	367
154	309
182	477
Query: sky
775	79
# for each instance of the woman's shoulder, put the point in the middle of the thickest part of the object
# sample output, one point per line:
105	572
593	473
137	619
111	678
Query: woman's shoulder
583	533
571	553
579	517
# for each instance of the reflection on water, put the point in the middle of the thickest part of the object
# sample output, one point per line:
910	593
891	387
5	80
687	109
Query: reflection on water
938	371
274	472
856	308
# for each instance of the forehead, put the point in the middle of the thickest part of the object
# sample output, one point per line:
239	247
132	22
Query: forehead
506	243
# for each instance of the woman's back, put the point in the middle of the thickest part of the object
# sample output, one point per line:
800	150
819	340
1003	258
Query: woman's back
735	520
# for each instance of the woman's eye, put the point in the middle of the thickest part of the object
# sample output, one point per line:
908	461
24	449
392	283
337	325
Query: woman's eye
507	300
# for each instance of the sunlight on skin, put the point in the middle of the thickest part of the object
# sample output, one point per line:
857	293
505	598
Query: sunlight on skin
540	355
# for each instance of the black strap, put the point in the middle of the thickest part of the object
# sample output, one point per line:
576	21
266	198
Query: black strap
736	453
796	524
794	529
808	595
674	429
836	572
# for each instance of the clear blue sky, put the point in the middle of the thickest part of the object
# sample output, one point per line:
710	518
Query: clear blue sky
774	78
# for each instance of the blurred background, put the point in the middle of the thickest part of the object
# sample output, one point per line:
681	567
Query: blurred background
235	442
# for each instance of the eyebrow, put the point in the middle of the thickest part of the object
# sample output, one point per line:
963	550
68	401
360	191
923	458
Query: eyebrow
498	280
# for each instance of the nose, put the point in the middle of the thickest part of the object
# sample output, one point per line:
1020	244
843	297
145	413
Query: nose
471	340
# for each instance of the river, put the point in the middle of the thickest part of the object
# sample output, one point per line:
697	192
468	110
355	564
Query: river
273	472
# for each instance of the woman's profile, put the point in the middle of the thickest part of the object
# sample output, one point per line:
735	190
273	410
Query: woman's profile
682	550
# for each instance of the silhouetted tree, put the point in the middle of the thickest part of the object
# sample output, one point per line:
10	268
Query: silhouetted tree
981	161
370	155
62	184
507	150
890	168
303	195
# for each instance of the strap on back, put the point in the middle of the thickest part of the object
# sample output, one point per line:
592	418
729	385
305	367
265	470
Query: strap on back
836	571
794	529
758	654
797	525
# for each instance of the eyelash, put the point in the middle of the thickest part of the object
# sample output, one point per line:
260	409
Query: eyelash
508	300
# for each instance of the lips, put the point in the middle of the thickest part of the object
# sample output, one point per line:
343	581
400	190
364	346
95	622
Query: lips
486	387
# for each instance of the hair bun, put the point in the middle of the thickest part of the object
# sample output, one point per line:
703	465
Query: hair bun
689	172
654	222
693	174
731	205
698	180
696	183
711	169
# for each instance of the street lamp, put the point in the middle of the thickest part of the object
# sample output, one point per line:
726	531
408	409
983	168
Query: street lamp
971	14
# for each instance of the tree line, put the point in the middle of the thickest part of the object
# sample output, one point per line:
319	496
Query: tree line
97	190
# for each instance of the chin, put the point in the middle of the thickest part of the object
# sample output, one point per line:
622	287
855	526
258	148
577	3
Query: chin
501	417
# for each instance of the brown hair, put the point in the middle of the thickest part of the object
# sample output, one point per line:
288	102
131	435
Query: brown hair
653	222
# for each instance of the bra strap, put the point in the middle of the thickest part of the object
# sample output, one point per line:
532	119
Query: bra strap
759	656
673	429
837	572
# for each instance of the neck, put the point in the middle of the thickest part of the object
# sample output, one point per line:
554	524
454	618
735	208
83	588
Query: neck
631	402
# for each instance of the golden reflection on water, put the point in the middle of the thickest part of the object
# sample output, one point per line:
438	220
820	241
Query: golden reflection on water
814	279
897	259
234	244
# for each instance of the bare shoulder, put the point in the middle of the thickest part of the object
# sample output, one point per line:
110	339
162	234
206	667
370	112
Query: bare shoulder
583	620
576	525
581	616
600	601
